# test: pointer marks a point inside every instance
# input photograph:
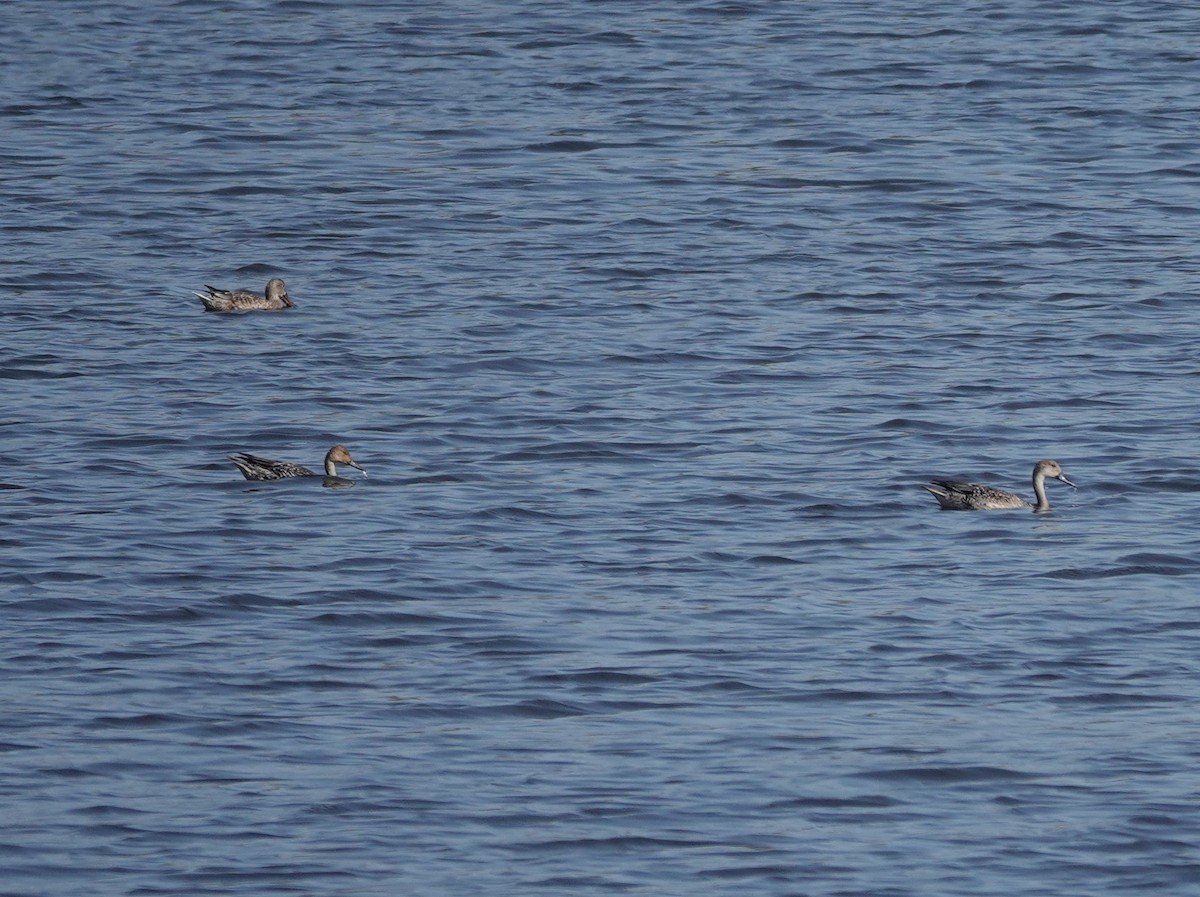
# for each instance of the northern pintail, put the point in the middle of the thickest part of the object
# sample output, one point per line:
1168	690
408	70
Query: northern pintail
956	496
255	468
244	300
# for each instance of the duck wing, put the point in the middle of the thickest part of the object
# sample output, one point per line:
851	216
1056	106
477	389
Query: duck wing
256	468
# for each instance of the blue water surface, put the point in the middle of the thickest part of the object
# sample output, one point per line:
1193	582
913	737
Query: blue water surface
647	321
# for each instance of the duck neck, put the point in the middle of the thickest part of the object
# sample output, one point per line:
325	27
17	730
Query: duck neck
1039	490
331	470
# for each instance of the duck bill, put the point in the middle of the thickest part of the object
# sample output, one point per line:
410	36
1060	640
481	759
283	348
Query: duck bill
1068	482
359	468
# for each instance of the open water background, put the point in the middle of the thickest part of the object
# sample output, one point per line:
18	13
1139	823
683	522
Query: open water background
646	320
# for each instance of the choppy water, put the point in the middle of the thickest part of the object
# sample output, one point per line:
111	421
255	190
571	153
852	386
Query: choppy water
646	320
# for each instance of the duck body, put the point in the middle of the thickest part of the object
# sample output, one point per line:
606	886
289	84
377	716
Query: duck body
256	468
954	495
274	298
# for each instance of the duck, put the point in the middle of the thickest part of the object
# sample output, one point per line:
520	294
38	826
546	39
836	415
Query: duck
956	496
256	468
275	298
